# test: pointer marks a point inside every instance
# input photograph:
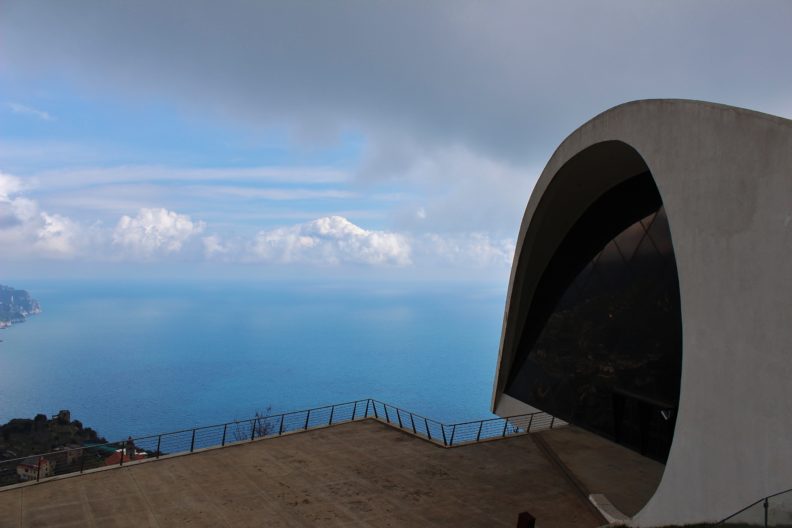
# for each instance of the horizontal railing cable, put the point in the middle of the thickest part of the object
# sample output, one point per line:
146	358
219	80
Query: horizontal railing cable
762	515
91	456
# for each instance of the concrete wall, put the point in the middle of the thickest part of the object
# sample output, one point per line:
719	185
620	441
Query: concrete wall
725	177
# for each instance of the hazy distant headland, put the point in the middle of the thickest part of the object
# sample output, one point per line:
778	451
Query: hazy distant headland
16	306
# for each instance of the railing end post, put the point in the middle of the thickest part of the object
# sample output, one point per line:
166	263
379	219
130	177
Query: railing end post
766	506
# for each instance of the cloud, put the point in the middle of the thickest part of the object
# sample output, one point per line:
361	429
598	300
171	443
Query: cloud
457	190
103	175
469	250
214	247
255	193
57	236
507	80
25	231
459	117
330	240
154	232
30	111
105	193
9	185
334	240
159	233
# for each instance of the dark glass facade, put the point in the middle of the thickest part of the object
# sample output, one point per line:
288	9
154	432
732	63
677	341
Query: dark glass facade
602	344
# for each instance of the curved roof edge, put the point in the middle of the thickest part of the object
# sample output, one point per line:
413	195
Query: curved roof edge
725	176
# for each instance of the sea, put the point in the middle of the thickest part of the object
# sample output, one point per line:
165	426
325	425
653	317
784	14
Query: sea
148	357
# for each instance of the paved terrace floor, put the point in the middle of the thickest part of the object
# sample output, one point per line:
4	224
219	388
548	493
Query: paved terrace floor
628	479
355	474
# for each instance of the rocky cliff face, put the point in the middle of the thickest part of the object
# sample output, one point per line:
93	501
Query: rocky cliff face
15	306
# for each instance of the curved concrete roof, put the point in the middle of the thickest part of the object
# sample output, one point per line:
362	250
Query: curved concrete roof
725	177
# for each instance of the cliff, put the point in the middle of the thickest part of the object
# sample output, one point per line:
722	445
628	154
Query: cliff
16	306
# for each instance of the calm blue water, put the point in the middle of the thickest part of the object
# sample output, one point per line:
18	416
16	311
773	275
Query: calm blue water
145	357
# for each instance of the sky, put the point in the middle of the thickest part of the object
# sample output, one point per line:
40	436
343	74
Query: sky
347	138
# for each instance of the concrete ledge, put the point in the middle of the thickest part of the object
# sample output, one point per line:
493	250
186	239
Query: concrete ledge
608	510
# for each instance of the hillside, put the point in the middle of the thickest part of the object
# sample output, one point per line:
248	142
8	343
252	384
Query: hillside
16	306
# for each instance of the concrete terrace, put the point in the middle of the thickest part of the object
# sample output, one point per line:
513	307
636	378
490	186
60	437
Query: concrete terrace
355	474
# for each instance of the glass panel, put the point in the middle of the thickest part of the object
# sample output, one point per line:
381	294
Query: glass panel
602	342
629	238
658	231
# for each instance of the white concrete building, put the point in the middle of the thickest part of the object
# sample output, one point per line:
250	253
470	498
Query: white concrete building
650	299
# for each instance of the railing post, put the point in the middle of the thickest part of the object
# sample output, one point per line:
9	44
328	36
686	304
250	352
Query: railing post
387	416
442	429
765	511
307	417
552	422
530	423
354	410
159	440
192	442
453	432
505	424
225	428
280	429
374	406
428	432
412	421
478	436
398	416
38	469
332	411
252	429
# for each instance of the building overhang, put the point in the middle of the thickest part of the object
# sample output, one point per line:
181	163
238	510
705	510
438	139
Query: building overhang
725	178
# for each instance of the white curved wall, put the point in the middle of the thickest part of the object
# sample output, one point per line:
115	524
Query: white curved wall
725	177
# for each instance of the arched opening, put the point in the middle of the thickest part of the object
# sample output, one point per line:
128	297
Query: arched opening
600	344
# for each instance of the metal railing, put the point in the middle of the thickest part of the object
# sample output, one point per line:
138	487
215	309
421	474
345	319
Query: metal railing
464	433
91	456
773	510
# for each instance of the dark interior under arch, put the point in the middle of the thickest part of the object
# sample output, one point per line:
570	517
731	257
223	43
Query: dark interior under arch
601	346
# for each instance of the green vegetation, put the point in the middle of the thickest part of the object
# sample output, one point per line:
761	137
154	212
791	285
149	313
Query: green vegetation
65	442
23	437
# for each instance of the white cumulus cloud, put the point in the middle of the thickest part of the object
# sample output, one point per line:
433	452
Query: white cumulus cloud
155	232
57	235
27	231
331	240
214	247
9	185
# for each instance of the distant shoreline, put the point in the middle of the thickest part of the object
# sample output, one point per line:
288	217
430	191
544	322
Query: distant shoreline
16	306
